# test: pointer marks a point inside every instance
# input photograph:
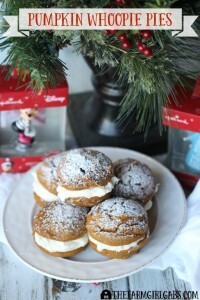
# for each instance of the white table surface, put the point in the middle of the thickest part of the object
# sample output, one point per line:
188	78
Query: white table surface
18	282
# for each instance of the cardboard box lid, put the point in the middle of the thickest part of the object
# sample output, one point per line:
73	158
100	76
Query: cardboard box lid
15	95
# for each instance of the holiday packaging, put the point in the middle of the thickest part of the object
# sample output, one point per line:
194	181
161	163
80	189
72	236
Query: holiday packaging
32	126
183	120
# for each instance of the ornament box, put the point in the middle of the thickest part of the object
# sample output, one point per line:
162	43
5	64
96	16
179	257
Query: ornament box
32	126
183	120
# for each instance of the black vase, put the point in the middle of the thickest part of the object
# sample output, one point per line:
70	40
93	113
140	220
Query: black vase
102	113
94	118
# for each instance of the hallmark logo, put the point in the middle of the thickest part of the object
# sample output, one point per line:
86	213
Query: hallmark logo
177	119
10	101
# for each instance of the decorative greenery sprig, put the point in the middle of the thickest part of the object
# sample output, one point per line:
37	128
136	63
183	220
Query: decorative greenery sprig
36	57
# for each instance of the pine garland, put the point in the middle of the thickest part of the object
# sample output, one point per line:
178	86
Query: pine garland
36	57
148	80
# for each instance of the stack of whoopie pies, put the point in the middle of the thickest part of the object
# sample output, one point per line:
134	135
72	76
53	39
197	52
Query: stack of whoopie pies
85	199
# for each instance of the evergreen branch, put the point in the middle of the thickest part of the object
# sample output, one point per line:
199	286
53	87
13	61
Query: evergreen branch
24	54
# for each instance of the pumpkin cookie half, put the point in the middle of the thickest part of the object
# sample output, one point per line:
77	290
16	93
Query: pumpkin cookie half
59	229
45	180
117	227
85	177
136	181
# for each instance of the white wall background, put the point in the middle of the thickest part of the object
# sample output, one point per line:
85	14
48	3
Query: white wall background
79	74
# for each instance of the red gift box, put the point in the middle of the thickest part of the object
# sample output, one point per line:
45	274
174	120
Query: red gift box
184	115
15	95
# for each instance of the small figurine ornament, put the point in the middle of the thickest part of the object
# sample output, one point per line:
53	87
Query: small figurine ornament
23	126
192	159
6	166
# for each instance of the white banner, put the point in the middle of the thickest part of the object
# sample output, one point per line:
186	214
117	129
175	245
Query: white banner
100	19
13	29
188	21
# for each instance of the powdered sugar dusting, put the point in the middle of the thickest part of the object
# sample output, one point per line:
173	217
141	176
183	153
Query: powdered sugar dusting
81	165
136	180
48	168
120	207
118	218
60	217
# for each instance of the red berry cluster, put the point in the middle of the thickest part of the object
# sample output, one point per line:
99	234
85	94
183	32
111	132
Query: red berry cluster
127	43
121	2
123	38
141	47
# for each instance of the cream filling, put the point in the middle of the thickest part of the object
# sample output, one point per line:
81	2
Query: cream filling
57	246
101	246
148	205
87	193
157	188
40	190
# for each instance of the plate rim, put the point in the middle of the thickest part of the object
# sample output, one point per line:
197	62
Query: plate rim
140	268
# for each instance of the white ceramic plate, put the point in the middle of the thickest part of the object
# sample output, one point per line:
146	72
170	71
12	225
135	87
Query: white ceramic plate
168	217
